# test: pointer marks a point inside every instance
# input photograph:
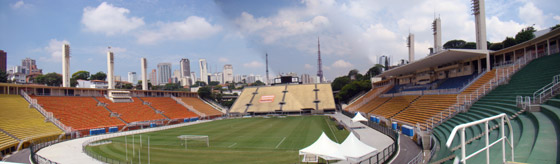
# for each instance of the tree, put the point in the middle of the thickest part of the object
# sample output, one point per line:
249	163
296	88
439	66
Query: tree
374	71
199	84
355	87
469	45
554	27
98	76
525	35
258	83
213	83
80	75
205	92
508	42
340	82
454	44
496	46
171	86
3	77
50	79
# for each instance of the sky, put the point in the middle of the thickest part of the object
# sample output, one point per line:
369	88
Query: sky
352	34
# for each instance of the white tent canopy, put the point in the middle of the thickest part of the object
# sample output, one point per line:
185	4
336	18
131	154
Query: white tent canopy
324	148
358	117
355	150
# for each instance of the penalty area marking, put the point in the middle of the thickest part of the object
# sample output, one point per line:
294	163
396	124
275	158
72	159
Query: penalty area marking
280	142
232	145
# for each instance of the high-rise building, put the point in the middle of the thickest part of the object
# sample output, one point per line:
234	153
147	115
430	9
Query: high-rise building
132	78
164	73
228	73
307	79
117	78
219	77
153	77
237	78
193	77
176	76
203	70
3	61
27	63
185	74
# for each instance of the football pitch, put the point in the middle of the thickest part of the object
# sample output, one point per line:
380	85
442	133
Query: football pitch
242	140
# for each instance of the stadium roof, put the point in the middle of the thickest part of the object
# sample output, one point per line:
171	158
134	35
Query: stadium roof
443	57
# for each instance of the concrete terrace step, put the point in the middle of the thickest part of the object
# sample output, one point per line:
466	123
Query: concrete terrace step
546	146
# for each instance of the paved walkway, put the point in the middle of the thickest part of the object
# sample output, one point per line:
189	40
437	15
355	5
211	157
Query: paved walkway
71	151
366	134
407	150
21	156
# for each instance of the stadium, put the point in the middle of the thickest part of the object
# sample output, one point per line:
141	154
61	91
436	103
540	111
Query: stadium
453	106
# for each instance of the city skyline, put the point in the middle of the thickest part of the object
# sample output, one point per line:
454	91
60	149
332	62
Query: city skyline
240	33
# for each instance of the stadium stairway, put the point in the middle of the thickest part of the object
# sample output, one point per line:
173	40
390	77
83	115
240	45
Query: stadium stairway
535	133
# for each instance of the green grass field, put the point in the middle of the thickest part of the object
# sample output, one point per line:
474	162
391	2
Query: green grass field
243	140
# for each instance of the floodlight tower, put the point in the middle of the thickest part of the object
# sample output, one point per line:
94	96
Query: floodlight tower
267	79
319	62
110	69
436	27
65	65
480	23
144	76
410	47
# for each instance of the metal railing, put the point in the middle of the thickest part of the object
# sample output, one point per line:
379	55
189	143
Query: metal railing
547	90
464	101
386	154
417	159
503	118
48	115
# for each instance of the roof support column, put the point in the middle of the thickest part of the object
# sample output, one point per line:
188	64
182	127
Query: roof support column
514	57
548	46
487	61
479	65
504	57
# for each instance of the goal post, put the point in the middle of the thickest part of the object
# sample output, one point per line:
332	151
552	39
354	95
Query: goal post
185	138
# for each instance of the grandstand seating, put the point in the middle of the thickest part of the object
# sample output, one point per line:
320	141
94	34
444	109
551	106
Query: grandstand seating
133	111
244	98
296	99
426	107
200	106
370	93
455	82
170	107
535	133
393	106
78	112
6	142
481	81
373	104
23	122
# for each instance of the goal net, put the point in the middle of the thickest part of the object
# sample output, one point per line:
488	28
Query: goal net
188	139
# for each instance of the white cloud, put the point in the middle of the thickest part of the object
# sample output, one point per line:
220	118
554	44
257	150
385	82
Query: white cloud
341	64
253	64
557	18
308	66
109	19
530	14
18	4
193	27
54	51
223	60
499	30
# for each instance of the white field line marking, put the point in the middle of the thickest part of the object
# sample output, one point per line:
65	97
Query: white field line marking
280	143
332	131
232	145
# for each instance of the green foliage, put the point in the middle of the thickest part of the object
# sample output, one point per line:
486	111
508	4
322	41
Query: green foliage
555	27
3	77
213	83
454	44
124	86
374	71
508	42
257	83
525	35
199	84
98	76
469	45
205	92
80	75
171	86
496	46
355	87
340	82
50	79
